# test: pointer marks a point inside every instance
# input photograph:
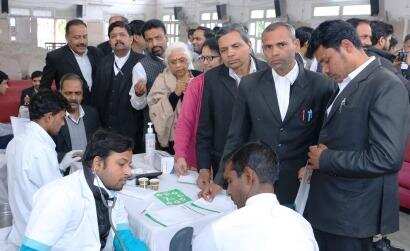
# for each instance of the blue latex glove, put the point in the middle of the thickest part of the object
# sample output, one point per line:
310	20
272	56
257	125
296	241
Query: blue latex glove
130	242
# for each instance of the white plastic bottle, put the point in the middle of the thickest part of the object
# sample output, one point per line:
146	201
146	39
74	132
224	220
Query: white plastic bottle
150	145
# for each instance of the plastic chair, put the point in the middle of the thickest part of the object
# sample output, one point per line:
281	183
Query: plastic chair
182	240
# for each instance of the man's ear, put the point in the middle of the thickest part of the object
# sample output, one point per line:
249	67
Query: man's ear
97	164
249	175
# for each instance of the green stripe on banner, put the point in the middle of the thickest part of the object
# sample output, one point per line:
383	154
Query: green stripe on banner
210	210
155	220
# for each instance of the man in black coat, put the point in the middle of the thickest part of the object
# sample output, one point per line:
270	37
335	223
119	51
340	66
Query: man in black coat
81	121
75	57
353	189
27	93
220	91
282	106
114	81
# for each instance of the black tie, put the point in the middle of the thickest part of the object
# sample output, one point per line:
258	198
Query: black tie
332	98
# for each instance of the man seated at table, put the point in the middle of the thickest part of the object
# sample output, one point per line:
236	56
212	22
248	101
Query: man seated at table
78	211
260	223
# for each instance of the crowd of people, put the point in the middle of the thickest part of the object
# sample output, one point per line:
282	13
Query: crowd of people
334	100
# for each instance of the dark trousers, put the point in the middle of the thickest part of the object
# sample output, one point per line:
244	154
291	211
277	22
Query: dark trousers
332	242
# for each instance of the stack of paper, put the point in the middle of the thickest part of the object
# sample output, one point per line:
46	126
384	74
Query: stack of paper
172	197
190	178
303	192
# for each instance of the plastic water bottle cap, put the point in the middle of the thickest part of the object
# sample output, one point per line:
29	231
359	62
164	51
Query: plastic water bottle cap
150	129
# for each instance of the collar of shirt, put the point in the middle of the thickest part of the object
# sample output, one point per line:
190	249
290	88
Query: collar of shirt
68	115
120	62
262	199
39	131
98	182
354	73
290	77
237	78
78	55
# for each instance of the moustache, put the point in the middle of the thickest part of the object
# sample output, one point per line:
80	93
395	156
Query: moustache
119	42
81	45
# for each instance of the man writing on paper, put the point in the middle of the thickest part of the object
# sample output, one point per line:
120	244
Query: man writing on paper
260	223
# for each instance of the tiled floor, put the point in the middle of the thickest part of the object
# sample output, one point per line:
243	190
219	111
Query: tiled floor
402	238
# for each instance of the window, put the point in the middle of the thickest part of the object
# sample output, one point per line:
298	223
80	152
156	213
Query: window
42	13
50	30
19	12
210	20
354	10
326	11
172	26
260	19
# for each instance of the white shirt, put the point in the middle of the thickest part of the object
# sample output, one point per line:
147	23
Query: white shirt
71	117
282	87
262	225
138	74
349	78
119	63
31	163
238	78
85	66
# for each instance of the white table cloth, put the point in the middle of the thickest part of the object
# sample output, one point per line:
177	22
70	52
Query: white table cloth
158	237
3	178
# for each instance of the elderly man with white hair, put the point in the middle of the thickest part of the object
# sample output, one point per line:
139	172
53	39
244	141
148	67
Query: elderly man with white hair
165	97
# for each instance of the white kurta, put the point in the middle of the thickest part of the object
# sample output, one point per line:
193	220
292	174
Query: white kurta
64	216
263	225
31	163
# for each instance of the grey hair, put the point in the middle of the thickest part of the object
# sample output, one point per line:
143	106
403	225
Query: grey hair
276	25
178	46
234	27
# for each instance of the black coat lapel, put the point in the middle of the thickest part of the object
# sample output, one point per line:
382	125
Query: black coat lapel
228	82
268	91
343	98
66	134
127	71
71	59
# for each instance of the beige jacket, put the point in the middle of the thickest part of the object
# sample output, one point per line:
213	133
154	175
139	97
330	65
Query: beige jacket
161	113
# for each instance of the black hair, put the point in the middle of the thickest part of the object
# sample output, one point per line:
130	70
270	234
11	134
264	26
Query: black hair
407	38
124	19
216	29
191	32
380	29
36	74
153	24
235	27
356	21
3	76
136	26
260	158
72	23
207	32
330	34
70	76
393	42
46	101
119	24
103	143
303	34
212	44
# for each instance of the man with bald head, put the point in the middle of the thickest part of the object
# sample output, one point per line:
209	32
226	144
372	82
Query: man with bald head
105	47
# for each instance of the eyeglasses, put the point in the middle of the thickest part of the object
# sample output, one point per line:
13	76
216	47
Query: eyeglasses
207	58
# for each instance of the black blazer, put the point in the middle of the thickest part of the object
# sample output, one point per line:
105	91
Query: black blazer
256	117
63	141
26	92
62	61
105	48
131	119
220	91
354	192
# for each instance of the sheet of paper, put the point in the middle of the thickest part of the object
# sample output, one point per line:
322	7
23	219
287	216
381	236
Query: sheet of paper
190	178
18	125
303	192
173	215
137	192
